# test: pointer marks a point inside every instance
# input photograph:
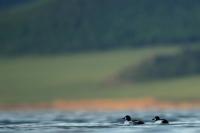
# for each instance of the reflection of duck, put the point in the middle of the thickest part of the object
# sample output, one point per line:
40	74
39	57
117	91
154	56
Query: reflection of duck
128	121
157	119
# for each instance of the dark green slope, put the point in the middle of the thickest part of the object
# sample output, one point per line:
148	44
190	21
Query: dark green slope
7	4
53	26
165	66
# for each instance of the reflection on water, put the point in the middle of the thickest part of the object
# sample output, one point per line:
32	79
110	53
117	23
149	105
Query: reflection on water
100	122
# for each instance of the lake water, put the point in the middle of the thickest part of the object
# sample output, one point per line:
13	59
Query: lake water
187	121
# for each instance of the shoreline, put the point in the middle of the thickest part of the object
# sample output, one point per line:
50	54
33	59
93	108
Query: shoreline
104	104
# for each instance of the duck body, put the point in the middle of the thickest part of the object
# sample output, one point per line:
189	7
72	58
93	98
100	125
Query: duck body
128	121
138	122
157	120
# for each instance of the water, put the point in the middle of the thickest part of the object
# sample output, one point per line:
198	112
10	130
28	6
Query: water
96	122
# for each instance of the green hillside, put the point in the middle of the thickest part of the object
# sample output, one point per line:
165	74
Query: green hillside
87	76
8	4
164	66
58	26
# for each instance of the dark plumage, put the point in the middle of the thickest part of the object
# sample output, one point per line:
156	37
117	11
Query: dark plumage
128	121
157	119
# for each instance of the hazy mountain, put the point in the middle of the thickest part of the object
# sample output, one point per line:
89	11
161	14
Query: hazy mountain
4	4
54	26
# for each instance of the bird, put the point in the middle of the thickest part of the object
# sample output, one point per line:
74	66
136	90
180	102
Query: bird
157	120
128	121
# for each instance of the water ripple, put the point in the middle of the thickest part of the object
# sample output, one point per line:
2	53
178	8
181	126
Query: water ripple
99	122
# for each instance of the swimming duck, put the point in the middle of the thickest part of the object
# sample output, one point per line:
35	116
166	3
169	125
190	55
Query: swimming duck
157	119
128	121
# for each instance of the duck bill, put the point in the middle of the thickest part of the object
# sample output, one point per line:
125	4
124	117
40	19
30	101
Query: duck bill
153	119
123	118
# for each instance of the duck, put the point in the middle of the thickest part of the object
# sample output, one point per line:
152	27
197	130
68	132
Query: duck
158	120
128	121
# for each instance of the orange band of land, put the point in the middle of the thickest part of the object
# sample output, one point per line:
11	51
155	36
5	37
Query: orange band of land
105	104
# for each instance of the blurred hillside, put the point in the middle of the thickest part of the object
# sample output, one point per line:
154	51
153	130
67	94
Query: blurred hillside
6	4
92	75
157	41
58	26
164	66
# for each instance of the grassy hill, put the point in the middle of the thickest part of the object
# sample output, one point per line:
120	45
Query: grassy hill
164	66
59	26
87	76
9	4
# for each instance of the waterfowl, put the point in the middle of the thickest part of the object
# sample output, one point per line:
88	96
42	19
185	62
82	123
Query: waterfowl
128	121
157	119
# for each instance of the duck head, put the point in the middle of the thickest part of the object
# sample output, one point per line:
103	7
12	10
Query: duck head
127	118
156	118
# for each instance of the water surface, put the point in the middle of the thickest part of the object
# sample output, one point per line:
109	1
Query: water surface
52	121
